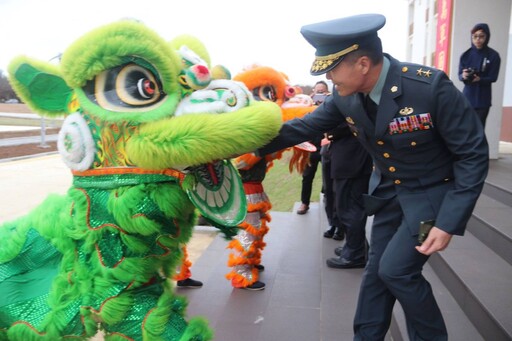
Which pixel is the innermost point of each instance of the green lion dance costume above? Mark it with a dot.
(145, 125)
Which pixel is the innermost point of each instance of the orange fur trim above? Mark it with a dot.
(234, 260)
(239, 281)
(273, 156)
(293, 112)
(299, 160)
(246, 161)
(236, 245)
(184, 272)
(255, 231)
(251, 256)
(262, 206)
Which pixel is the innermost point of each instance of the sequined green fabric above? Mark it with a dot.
(119, 180)
(100, 262)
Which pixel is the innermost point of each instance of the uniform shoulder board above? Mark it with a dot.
(418, 72)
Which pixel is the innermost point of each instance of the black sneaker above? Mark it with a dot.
(255, 286)
(189, 283)
(260, 267)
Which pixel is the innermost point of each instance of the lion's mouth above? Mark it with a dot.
(218, 192)
(210, 174)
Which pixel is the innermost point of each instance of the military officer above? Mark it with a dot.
(430, 161)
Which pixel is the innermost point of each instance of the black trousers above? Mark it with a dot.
(482, 114)
(329, 198)
(351, 215)
(308, 176)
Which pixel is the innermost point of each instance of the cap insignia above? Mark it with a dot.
(323, 62)
(319, 65)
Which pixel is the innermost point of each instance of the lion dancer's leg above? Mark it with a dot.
(149, 313)
(183, 275)
(245, 260)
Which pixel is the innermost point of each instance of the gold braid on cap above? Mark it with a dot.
(323, 62)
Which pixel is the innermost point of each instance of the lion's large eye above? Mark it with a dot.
(264, 93)
(125, 87)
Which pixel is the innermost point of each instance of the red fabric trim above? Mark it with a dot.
(253, 187)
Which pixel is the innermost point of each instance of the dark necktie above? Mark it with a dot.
(370, 107)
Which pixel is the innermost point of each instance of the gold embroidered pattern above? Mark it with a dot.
(323, 62)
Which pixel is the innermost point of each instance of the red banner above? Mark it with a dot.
(444, 28)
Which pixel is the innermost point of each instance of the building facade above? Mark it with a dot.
(439, 32)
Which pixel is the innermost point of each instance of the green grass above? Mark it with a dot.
(283, 188)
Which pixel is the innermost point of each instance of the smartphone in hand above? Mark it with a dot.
(425, 227)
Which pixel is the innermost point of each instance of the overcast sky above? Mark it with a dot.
(236, 32)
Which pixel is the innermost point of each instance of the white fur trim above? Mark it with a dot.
(220, 96)
(76, 144)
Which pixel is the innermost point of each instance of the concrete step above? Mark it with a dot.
(499, 180)
(497, 192)
(480, 281)
(491, 223)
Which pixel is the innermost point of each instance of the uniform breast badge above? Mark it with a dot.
(406, 111)
(410, 123)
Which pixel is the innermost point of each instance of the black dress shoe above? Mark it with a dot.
(338, 250)
(330, 232)
(343, 263)
(339, 234)
(189, 283)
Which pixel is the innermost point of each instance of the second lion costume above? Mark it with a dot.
(266, 85)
